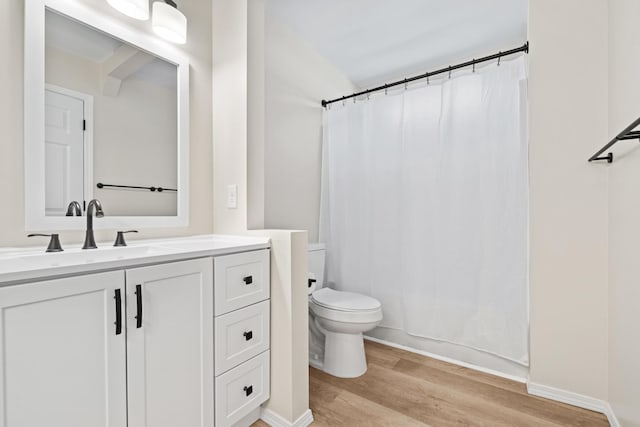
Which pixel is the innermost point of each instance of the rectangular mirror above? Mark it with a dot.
(107, 119)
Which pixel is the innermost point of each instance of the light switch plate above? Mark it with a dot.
(232, 196)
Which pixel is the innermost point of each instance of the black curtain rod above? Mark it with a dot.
(158, 189)
(524, 48)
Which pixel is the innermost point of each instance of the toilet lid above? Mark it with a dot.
(347, 301)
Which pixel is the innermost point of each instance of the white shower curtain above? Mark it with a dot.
(425, 207)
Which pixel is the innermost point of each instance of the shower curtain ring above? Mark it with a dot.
(449, 71)
(405, 84)
(386, 91)
(428, 80)
(499, 58)
(474, 65)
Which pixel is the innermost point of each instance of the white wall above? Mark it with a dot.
(568, 122)
(297, 78)
(624, 214)
(198, 50)
(230, 92)
(134, 139)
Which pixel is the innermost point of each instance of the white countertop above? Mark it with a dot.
(19, 265)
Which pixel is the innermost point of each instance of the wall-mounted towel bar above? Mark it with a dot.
(627, 133)
(135, 187)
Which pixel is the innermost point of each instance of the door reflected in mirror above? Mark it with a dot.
(111, 118)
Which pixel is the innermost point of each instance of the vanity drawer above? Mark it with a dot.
(241, 390)
(240, 280)
(241, 335)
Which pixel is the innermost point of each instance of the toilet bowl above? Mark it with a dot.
(337, 321)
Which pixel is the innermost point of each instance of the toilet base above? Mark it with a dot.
(344, 355)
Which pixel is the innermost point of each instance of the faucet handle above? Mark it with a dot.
(120, 237)
(74, 209)
(54, 243)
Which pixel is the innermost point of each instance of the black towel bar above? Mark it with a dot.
(627, 133)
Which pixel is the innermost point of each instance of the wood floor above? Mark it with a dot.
(406, 389)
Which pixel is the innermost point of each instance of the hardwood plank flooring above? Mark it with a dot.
(406, 389)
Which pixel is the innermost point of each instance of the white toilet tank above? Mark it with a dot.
(316, 262)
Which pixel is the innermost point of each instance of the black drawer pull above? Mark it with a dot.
(118, 298)
(139, 306)
(247, 280)
(248, 335)
(248, 390)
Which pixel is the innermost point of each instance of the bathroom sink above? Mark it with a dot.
(39, 260)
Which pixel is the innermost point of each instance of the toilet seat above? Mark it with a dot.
(344, 301)
(347, 307)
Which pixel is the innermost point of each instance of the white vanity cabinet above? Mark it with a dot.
(62, 360)
(242, 311)
(139, 346)
(170, 344)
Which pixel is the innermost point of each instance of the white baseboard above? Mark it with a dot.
(448, 360)
(275, 420)
(611, 416)
(574, 399)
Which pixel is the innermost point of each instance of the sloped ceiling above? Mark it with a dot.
(373, 41)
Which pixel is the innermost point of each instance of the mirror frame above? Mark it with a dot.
(34, 114)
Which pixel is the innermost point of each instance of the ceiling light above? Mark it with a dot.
(168, 22)
(137, 9)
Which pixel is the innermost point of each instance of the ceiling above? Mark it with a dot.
(89, 43)
(373, 41)
(78, 39)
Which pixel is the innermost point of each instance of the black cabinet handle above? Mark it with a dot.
(118, 298)
(248, 335)
(139, 306)
(248, 390)
(247, 280)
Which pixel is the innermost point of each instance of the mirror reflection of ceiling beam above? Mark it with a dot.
(124, 62)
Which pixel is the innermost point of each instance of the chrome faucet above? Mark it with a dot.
(89, 240)
(74, 209)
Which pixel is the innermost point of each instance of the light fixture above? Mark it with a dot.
(168, 22)
(137, 9)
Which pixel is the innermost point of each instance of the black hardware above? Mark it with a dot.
(118, 298)
(120, 237)
(248, 390)
(608, 158)
(84, 125)
(152, 189)
(247, 280)
(74, 209)
(311, 282)
(627, 133)
(54, 243)
(139, 306)
(89, 238)
(524, 48)
(248, 335)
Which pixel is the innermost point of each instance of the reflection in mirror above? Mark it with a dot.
(110, 118)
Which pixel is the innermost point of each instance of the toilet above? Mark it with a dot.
(337, 321)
